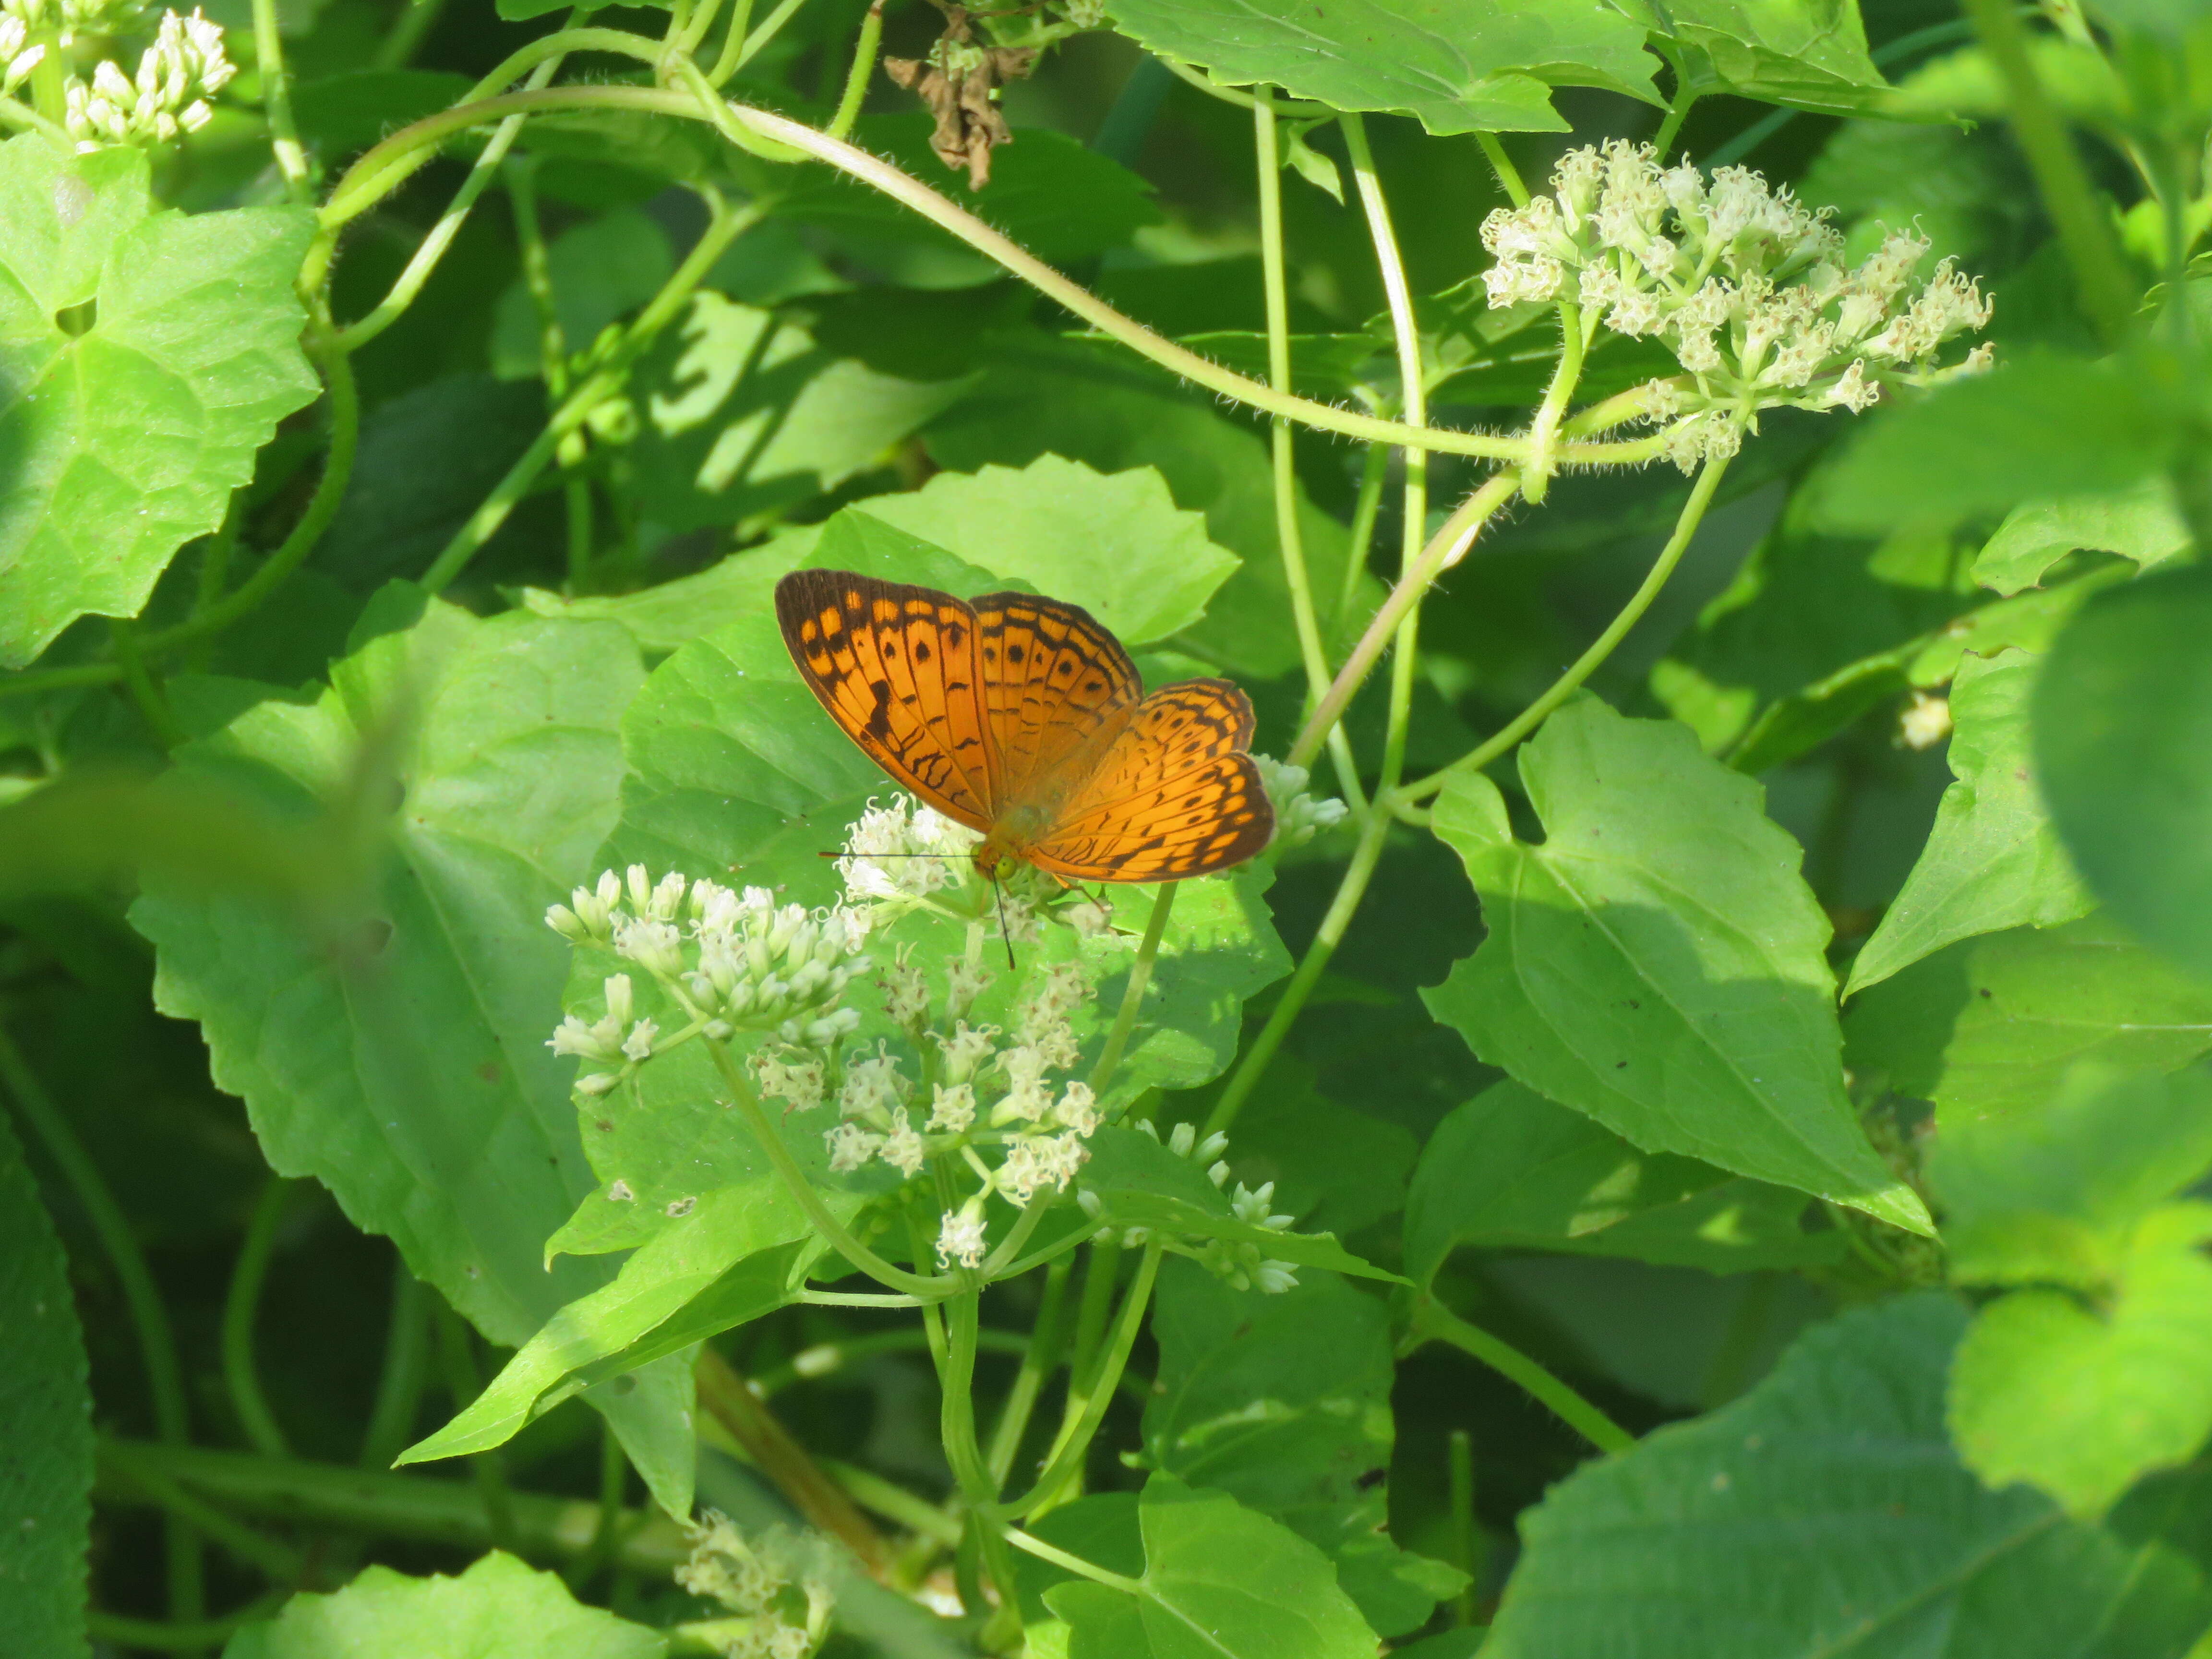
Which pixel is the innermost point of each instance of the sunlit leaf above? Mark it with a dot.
(1219, 1580)
(1657, 962)
(497, 1609)
(1476, 66)
(1675, 1550)
(148, 356)
(1992, 861)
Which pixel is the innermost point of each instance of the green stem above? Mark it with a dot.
(242, 1543)
(863, 71)
(1374, 473)
(745, 46)
(1099, 1275)
(1132, 995)
(893, 1502)
(2084, 228)
(277, 100)
(149, 1320)
(484, 524)
(1350, 891)
(117, 1631)
(405, 1371)
(1075, 1564)
(956, 1429)
(416, 19)
(216, 557)
(1412, 392)
(152, 707)
(367, 181)
(17, 113)
(1466, 1535)
(828, 1358)
(1294, 107)
(456, 1353)
(1432, 1322)
(614, 1477)
(240, 1374)
(1289, 539)
(733, 43)
(1508, 176)
(1662, 142)
(1040, 1358)
(1544, 430)
(1088, 1400)
(425, 259)
(425, 1508)
(794, 1179)
(1686, 527)
(1452, 539)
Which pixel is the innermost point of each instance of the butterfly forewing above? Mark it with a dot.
(1175, 795)
(896, 667)
(1056, 686)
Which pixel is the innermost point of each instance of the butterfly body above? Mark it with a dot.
(1023, 718)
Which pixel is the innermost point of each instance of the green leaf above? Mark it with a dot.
(1284, 1403)
(1141, 1184)
(2122, 721)
(742, 414)
(1220, 1582)
(2141, 522)
(1657, 962)
(1117, 544)
(1481, 66)
(601, 270)
(672, 614)
(1992, 861)
(1512, 1170)
(502, 735)
(1988, 1027)
(497, 1609)
(426, 462)
(2036, 429)
(1808, 53)
(148, 356)
(2081, 1401)
(2053, 1193)
(1065, 398)
(1057, 197)
(693, 1255)
(45, 1472)
(1337, 1168)
(1825, 1513)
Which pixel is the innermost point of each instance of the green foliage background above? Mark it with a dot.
(1738, 1095)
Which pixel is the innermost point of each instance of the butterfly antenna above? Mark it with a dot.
(1005, 933)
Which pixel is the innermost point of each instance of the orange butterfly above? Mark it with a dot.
(1021, 717)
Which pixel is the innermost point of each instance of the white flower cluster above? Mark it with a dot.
(905, 857)
(1744, 283)
(754, 1581)
(1239, 1265)
(897, 856)
(731, 961)
(68, 20)
(168, 97)
(975, 1094)
(1299, 816)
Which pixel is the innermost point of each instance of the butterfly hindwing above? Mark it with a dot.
(1175, 795)
(896, 667)
(1056, 685)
